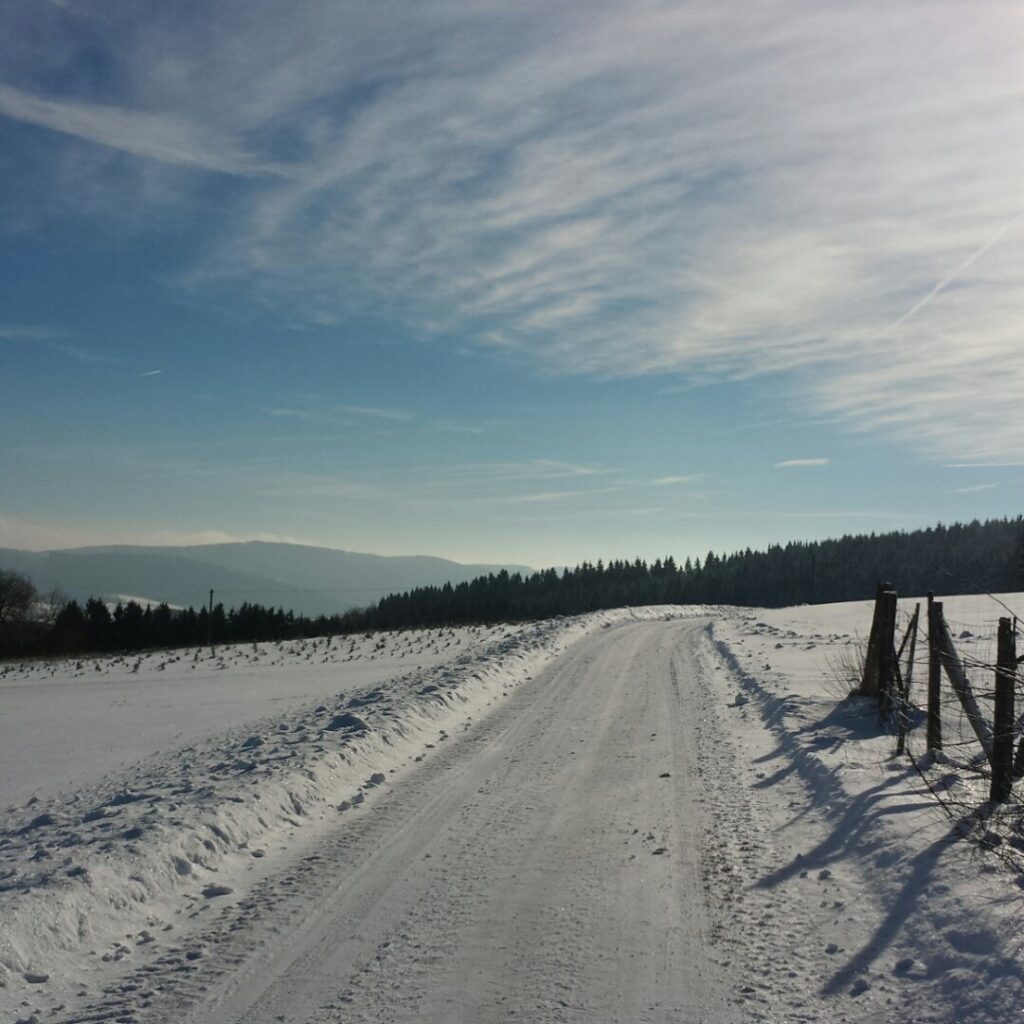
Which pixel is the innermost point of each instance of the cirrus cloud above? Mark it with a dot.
(822, 190)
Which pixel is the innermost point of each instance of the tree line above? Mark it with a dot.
(53, 625)
(959, 558)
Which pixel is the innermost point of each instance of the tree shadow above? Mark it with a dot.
(776, 777)
(906, 901)
(856, 719)
(845, 835)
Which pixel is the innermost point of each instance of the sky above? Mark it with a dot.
(528, 283)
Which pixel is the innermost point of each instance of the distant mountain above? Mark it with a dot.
(308, 580)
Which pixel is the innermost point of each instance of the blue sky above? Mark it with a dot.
(529, 282)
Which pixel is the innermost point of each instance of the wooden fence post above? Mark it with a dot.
(1003, 721)
(887, 667)
(871, 682)
(934, 720)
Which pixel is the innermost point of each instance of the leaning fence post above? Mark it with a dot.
(957, 676)
(915, 623)
(934, 721)
(1002, 725)
(906, 680)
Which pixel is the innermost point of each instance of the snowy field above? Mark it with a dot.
(67, 724)
(658, 814)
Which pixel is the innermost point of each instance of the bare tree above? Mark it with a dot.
(18, 596)
(17, 607)
(49, 605)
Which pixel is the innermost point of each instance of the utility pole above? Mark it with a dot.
(209, 624)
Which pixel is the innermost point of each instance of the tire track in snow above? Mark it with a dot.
(542, 866)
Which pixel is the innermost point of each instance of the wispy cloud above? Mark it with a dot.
(551, 467)
(666, 481)
(170, 138)
(984, 465)
(799, 463)
(151, 373)
(975, 489)
(27, 332)
(53, 339)
(395, 415)
(542, 497)
(587, 496)
(459, 427)
(82, 355)
(314, 410)
(286, 413)
(532, 469)
(314, 486)
(826, 190)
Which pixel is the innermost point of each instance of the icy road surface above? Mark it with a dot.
(544, 867)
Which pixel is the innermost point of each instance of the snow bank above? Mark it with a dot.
(68, 722)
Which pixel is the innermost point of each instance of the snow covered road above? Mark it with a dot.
(543, 867)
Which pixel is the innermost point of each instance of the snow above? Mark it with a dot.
(69, 723)
(652, 814)
(905, 908)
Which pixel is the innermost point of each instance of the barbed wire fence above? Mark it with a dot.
(952, 697)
